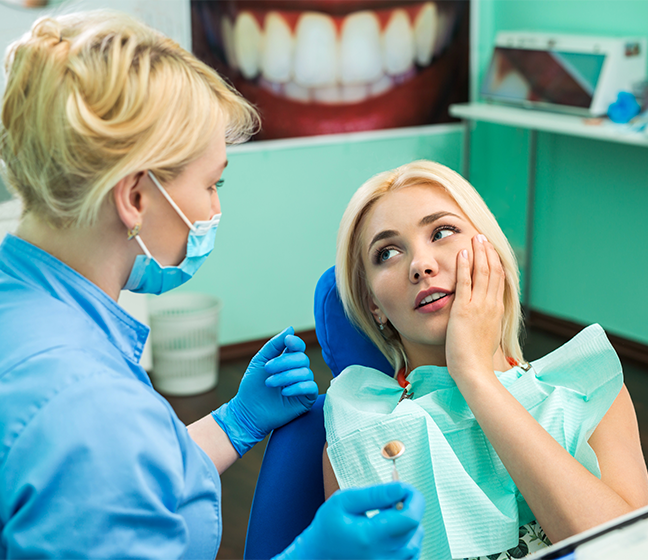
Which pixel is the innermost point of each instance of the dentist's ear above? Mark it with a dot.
(130, 198)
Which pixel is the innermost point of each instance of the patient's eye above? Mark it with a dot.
(444, 231)
(385, 254)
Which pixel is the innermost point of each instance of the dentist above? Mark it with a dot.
(114, 138)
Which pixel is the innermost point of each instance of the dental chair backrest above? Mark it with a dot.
(342, 344)
(290, 489)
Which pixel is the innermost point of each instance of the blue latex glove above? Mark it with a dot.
(341, 528)
(277, 387)
(624, 109)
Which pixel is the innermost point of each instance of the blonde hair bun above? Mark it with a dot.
(92, 97)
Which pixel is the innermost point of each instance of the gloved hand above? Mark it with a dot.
(342, 530)
(277, 387)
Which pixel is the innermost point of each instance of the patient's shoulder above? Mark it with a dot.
(358, 378)
(584, 363)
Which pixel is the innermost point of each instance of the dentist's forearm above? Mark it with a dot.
(214, 441)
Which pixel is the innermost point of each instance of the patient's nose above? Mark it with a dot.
(421, 267)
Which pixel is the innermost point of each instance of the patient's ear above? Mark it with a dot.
(378, 315)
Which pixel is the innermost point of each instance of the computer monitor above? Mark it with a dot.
(567, 73)
(543, 78)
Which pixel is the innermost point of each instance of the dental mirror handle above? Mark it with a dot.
(399, 505)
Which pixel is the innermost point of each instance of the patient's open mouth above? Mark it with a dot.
(432, 298)
(316, 66)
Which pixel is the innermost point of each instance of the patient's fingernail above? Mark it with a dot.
(464, 254)
(481, 238)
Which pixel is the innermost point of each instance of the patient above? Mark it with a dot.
(510, 455)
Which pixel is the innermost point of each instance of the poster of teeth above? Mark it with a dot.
(317, 67)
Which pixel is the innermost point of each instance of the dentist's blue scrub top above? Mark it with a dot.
(93, 462)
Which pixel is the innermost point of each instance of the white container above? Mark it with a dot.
(184, 337)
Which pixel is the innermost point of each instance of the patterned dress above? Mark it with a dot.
(532, 539)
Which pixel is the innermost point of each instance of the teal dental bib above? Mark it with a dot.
(473, 508)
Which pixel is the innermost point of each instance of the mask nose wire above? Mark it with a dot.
(171, 201)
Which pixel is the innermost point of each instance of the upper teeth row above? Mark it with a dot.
(432, 297)
(317, 56)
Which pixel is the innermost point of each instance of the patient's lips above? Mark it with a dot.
(296, 57)
(432, 299)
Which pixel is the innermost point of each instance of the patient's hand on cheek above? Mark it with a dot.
(475, 324)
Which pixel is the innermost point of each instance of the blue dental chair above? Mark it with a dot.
(290, 489)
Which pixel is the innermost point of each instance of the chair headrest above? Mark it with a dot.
(342, 344)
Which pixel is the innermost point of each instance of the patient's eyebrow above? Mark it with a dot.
(436, 216)
(382, 235)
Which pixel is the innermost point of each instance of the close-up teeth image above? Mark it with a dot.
(329, 66)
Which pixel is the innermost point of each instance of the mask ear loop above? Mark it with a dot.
(171, 201)
(141, 244)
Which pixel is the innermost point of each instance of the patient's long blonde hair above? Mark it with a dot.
(349, 269)
(93, 97)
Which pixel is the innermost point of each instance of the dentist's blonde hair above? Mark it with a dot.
(93, 97)
(351, 277)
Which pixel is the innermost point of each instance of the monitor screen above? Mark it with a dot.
(541, 76)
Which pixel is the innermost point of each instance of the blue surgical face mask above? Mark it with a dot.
(148, 276)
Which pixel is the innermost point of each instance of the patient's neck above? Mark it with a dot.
(424, 355)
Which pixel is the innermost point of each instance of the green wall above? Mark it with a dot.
(590, 256)
(282, 203)
(590, 250)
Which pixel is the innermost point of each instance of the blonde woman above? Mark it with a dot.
(509, 455)
(114, 138)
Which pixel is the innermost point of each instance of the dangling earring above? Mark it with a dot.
(381, 326)
(135, 231)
